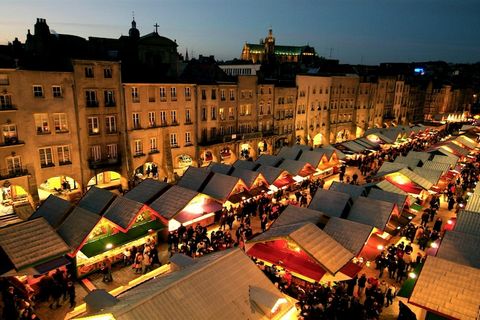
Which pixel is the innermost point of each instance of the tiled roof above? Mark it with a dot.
(247, 176)
(54, 210)
(173, 201)
(96, 200)
(269, 160)
(339, 153)
(423, 156)
(353, 190)
(325, 151)
(371, 144)
(391, 167)
(122, 211)
(220, 186)
(350, 234)
(147, 191)
(431, 175)
(372, 212)
(448, 289)
(294, 214)
(318, 244)
(270, 173)
(332, 203)
(432, 165)
(31, 242)
(301, 147)
(456, 148)
(473, 203)
(78, 225)
(194, 178)
(460, 248)
(216, 286)
(278, 232)
(451, 160)
(243, 164)
(392, 197)
(220, 168)
(468, 222)
(289, 153)
(467, 141)
(311, 157)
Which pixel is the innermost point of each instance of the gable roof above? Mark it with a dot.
(294, 215)
(448, 289)
(147, 191)
(247, 176)
(457, 150)
(431, 175)
(292, 166)
(332, 203)
(451, 160)
(122, 211)
(311, 157)
(460, 248)
(410, 162)
(468, 222)
(392, 197)
(470, 143)
(389, 187)
(96, 200)
(269, 160)
(353, 190)
(244, 164)
(473, 203)
(423, 156)
(270, 173)
(391, 167)
(340, 154)
(326, 151)
(54, 210)
(220, 168)
(370, 211)
(194, 178)
(78, 225)
(224, 278)
(421, 181)
(289, 153)
(350, 234)
(173, 201)
(220, 186)
(31, 242)
(432, 165)
(353, 146)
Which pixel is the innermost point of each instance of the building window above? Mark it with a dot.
(107, 72)
(57, 91)
(64, 155)
(91, 98)
(46, 159)
(111, 124)
(204, 94)
(221, 113)
(163, 118)
(109, 96)
(138, 147)
(173, 140)
(230, 113)
(95, 153)
(232, 95)
(5, 101)
(214, 113)
(60, 122)
(41, 123)
(14, 164)
(245, 109)
(163, 94)
(9, 132)
(152, 122)
(93, 126)
(213, 133)
(188, 93)
(89, 72)
(188, 119)
(204, 114)
(153, 145)
(173, 116)
(214, 94)
(38, 91)
(173, 93)
(135, 95)
(136, 120)
(222, 94)
(112, 151)
(188, 139)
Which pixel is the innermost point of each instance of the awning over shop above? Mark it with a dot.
(353, 190)
(374, 247)
(293, 214)
(238, 197)
(350, 234)
(283, 181)
(269, 160)
(258, 190)
(375, 213)
(404, 183)
(244, 164)
(290, 153)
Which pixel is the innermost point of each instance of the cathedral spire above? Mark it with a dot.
(186, 54)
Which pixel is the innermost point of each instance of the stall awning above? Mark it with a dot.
(238, 197)
(284, 181)
(51, 265)
(258, 190)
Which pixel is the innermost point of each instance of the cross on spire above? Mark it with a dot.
(156, 27)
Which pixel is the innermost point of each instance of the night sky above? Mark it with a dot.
(354, 31)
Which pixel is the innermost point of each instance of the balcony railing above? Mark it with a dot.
(13, 173)
(8, 107)
(110, 104)
(104, 163)
(11, 141)
(92, 104)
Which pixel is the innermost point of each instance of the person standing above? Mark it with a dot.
(361, 285)
(71, 292)
(263, 222)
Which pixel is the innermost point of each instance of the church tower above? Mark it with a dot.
(133, 32)
(270, 46)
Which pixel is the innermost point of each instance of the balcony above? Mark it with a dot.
(11, 142)
(110, 104)
(104, 163)
(174, 123)
(187, 122)
(13, 173)
(138, 155)
(47, 165)
(92, 104)
(8, 107)
(154, 151)
(64, 163)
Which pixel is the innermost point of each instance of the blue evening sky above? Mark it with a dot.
(354, 31)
